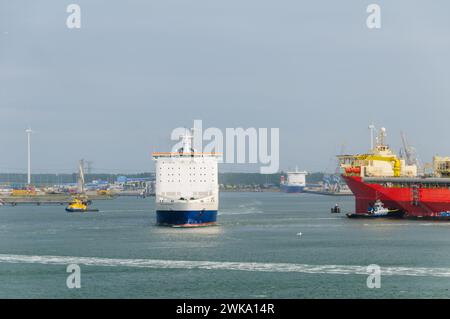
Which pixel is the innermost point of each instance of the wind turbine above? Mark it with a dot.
(29, 131)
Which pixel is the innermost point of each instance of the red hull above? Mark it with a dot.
(431, 203)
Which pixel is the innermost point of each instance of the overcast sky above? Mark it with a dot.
(112, 91)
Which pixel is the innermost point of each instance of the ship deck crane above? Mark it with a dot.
(409, 153)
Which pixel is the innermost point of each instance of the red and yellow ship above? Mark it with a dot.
(381, 175)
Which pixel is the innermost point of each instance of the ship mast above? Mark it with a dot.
(187, 143)
(380, 141)
(381, 136)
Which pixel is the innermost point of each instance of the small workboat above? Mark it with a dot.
(336, 209)
(379, 211)
(78, 205)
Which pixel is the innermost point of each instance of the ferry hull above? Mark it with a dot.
(426, 203)
(291, 188)
(191, 218)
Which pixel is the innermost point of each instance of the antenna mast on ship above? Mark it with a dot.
(187, 142)
(381, 136)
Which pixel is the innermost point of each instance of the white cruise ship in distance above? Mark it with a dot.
(295, 182)
(187, 188)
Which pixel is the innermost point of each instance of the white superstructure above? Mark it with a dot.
(296, 178)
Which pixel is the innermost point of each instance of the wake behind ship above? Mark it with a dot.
(186, 189)
(381, 176)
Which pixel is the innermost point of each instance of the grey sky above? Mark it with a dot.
(112, 91)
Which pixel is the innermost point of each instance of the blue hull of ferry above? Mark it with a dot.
(193, 218)
(291, 188)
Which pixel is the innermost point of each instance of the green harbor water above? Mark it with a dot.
(267, 245)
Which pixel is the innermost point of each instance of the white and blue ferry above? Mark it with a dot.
(295, 182)
(186, 188)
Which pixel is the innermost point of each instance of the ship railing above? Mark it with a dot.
(190, 154)
(424, 182)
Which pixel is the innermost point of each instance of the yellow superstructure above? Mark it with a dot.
(393, 160)
(380, 162)
(77, 205)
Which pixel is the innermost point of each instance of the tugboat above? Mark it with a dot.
(378, 210)
(79, 205)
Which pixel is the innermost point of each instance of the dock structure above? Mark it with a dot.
(45, 199)
(328, 193)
